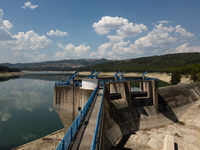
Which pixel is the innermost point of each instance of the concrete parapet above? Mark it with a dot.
(168, 142)
(67, 99)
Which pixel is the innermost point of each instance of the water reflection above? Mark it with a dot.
(26, 111)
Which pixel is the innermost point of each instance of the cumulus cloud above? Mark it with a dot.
(183, 32)
(102, 50)
(71, 51)
(184, 48)
(41, 57)
(28, 5)
(29, 40)
(158, 40)
(158, 36)
(5, 27)
(57, 33)
(107, 23)
(124, 28)
(129, 30)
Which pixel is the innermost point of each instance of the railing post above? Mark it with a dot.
(76, 123)
(71, 133)
(63, 144)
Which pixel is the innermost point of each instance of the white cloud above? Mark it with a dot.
(182, 48)
(28, 4)
(162, 21)
(102, 50)
(124, 28)
(107, 23)
(5, 27)
(41, 57)
(183, 32)
(158, 36)
(129, 30)
(185, 49)
(57, 33)
(71, 51)
(28, 40)
(158, 40)
(119, 47)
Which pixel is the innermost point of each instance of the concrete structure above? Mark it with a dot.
(127, 111)
(173, 102)
(67, 99)
(168, 142)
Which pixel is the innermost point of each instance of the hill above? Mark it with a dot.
(184, 62)
(7, 69)
(62, 65)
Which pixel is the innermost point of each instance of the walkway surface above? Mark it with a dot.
(85, 135)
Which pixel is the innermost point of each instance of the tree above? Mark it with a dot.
(176, 78)
(193, 76)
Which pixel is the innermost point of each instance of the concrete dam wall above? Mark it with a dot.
(173, 102)
(67, 99)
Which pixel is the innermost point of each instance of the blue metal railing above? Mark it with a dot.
(68, 80)
(67, 139)
(144, 74)
(90, 76)
(120, 77)
(96, 75)
(116, 74)
(100, 117)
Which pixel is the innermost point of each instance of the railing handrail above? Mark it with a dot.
(100, 115)
(90, 76)
(67, 139)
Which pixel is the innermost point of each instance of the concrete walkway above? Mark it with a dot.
(85, 135)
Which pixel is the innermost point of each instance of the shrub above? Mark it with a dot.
(175, 78)
(193, 76)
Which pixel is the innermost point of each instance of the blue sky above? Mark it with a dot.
(45, 30)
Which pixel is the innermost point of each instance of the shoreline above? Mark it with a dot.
(161, 76)
(9, 74)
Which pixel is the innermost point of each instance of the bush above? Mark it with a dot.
(175, 78)
(193, 76)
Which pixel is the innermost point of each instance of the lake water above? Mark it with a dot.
(26, 109)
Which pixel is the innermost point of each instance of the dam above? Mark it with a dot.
(115, 110)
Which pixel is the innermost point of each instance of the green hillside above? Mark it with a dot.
(184, 62)
(7, 69)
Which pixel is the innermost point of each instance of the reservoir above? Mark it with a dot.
(26, 108)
